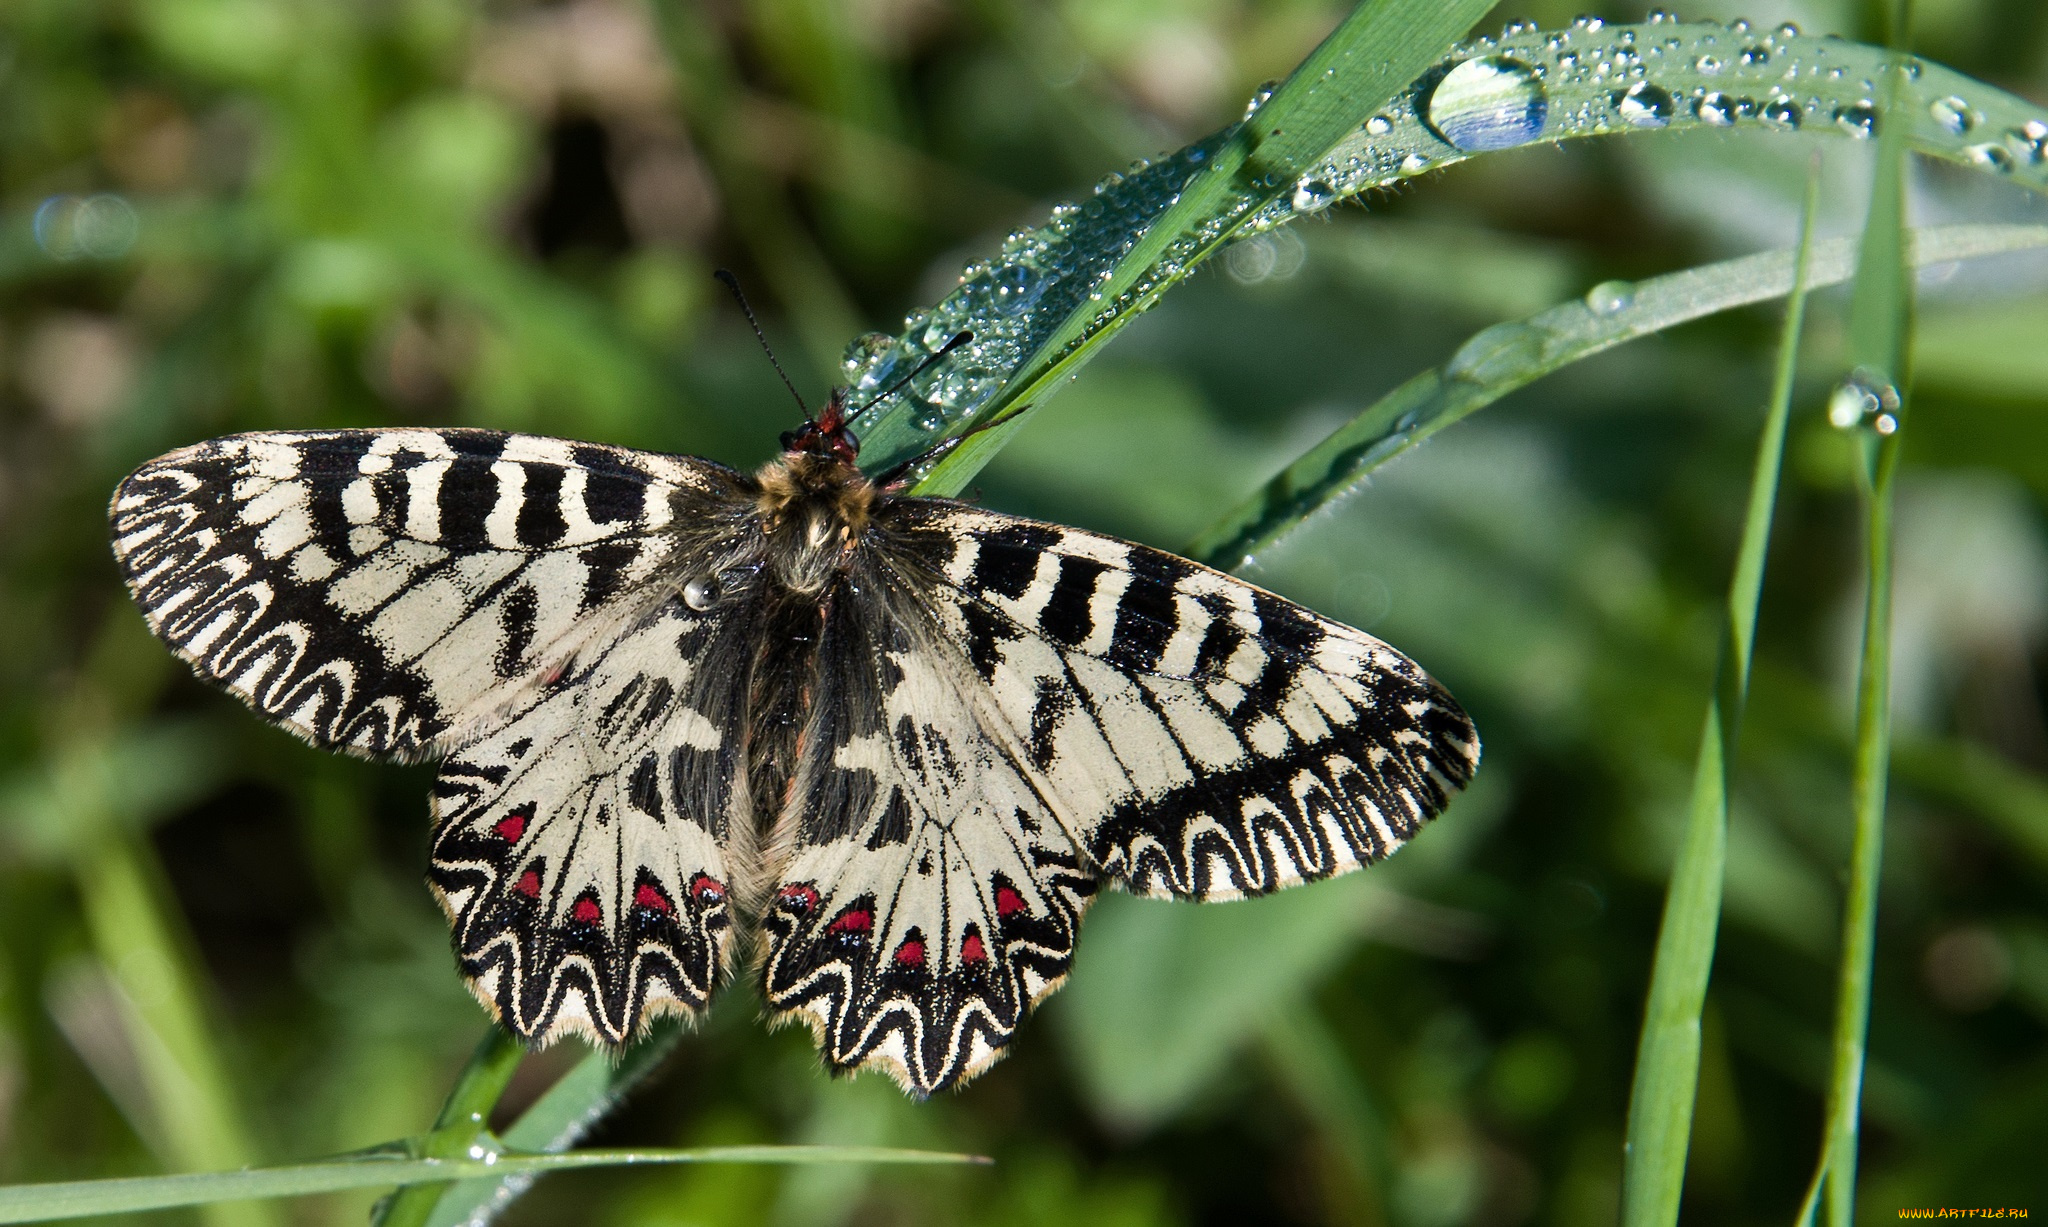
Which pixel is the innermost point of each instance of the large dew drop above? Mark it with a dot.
(1492, 102)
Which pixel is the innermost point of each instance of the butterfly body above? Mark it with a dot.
(886, 748)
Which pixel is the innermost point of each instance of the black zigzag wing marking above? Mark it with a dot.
(583, 850)
(926, 896)
(1204, 738)
(380, 590)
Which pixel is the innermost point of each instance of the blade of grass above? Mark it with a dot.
(1879, 319)
(1046, 302)
(1380, 47)
(1500, 359)
(1668, 1058)
(562, 1115)
(464, 1118)
(30, 1203)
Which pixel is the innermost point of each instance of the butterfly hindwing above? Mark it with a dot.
(927, 896)
(582, 850)
(380, 591)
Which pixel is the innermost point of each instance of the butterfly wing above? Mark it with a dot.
(386, 591)
(1200, 737)
(582, 850)
(1015, 711)
(514, 600)
(927, 895)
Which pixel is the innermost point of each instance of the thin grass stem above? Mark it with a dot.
(1668, 1058)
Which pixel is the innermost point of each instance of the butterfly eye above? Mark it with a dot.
(702, 593)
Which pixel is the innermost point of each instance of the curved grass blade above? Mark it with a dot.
(464, 1118)
(33, 1203)
(1879, 323)
(1668, 1058)
(1508, 356)
(1051, 296)
(558, 1120)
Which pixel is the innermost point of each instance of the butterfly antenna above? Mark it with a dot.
(959, 338)
(733, 283)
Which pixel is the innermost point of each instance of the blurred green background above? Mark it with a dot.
(215, 944)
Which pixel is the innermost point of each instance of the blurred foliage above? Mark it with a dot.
(214, 944)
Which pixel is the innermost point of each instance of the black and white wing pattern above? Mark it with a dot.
(382, 591)
(1205, 738)
(517, 600)
(1020, 712)
(583, 849)
(927, 893)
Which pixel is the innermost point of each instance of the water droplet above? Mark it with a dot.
(1107, 182)
(1378, 125)
(1864, 399)
(1646, 106)
(1259, 96)
(863, 352)
(1589, 24)
(1858, 119)
(1953, 114)
(1414, 164)
(1788, 30)
(1740, 25)
(1609, 297)
(1991, 157)
(1708, 64)
(1717, 109)
(1658, 17)
(1313, 194)
(1753, 57)
(1493, 102)
(2028, 142)
(1781, 113)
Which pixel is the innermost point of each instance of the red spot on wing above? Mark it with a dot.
(585, 911)
(512, 825)
(911, 953)
(798, 898)
(859, 920)
(1008, 902)
(528, 884)
(709, 890)
(971, 949)
(645, 895)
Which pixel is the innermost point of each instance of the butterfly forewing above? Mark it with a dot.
(378, 591)
(1204, 738)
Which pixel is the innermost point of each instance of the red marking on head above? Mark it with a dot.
(971, 949)
(528, 884)
(798, 898)
(646, 895)
(709, 890)
(1008, 902)
(859, 920)
(511, 827)
(911, 953)
(585, 911)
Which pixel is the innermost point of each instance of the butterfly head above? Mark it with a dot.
(827, 435)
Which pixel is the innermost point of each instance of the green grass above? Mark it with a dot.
(1668, 1056)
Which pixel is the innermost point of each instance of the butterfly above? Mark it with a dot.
(883, 749)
